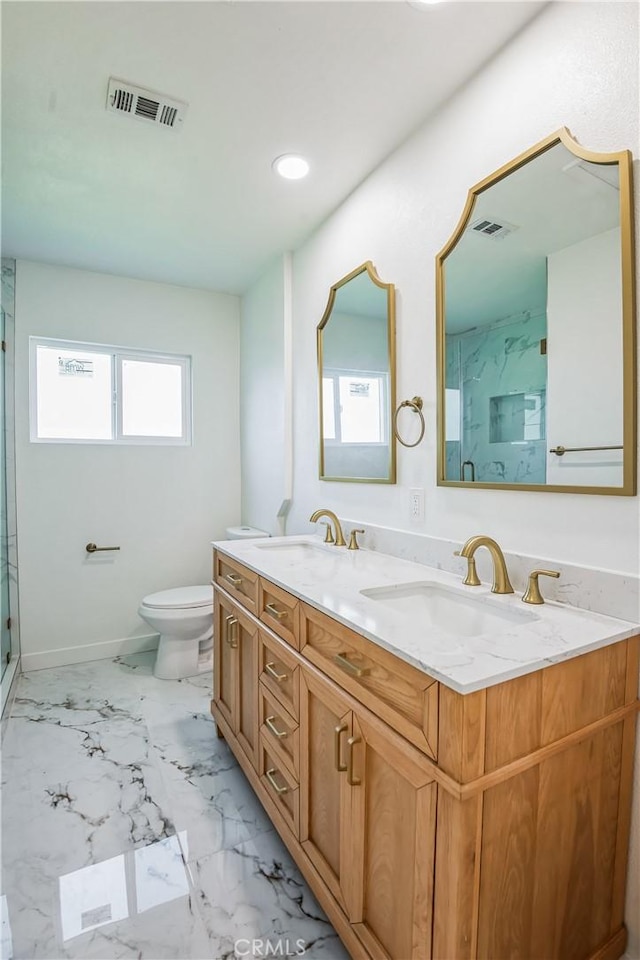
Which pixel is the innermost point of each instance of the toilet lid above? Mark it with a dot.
(181, 598)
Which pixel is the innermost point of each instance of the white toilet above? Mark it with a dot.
(183, 617)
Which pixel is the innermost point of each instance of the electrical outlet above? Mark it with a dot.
(416, 504)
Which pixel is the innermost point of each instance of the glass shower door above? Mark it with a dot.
(5, 633)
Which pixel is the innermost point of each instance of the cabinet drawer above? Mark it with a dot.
(281, 787)
(279, 672)
(404, 697)
(279, 610)
(279, 731)
(240, 582)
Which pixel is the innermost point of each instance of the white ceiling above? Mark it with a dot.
(341, 82)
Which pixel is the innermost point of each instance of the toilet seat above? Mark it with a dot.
(180, 598)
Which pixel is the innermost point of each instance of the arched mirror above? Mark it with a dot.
(535, 327)
(356, 372)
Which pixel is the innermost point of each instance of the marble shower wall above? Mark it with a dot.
(502, 377)
(11, 570)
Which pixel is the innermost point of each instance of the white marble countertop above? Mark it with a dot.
(331, 579)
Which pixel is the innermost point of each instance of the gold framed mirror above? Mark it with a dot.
(535, 300)
(357, 379)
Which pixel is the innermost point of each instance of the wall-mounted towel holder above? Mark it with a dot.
(415, 404)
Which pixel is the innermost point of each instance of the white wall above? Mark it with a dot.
(576, 65)
(162, 505)
(584, 361)
(262, 403)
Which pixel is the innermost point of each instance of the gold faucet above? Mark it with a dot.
(353, 540)
(501, 582)
(339, 536)
(532, 593)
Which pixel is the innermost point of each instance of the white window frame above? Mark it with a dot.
(334, 374)
(118, 354)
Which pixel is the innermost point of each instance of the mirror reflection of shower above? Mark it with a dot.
(533, 324)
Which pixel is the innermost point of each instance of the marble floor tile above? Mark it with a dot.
(130, 831)
(211, 799)
(254, 892)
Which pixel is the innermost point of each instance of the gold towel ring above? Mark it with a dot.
(416, 405)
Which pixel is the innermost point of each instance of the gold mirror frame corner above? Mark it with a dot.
(624, 159)
(368, 268)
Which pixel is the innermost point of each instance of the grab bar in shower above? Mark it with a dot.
(560, 450)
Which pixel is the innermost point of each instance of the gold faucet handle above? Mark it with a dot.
(328, 538)
(472, 579)
(532, 594)
(353, 540)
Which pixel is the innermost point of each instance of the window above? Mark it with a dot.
(93, 393)
(354, 407)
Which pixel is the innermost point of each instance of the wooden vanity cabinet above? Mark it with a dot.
(238, 581)
(367, 820)
(235, 687)
(279, 611)
(406, 698)
(490, 826)
(279, 730)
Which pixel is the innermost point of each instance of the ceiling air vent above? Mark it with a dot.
(145, 104)
(496, 230)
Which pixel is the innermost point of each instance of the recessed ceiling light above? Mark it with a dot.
(423, 4)
(291, 166)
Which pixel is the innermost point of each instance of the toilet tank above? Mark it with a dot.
(245, 533)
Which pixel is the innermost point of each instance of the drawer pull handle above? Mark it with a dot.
(274, 612)
(269, 774)
(231, 637)
(269, 721)
(231, 577)
(340, 766)
(351, 780)
(271, 670)
(345, 664)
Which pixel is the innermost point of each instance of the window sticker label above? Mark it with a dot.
(73, 367)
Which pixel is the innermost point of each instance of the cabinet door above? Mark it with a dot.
(246, 654)
(393, 836)
(235, 668)
(325, 796)
(224, 680)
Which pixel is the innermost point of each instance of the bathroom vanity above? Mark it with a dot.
(448, 795)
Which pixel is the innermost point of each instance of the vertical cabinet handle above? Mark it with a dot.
(231, 639)
(340, 766)
(351, 780)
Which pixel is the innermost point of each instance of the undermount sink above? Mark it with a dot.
(299, 547)
(443, 608)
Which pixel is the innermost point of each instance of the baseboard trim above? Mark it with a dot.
(106, 650)
(9, 685)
